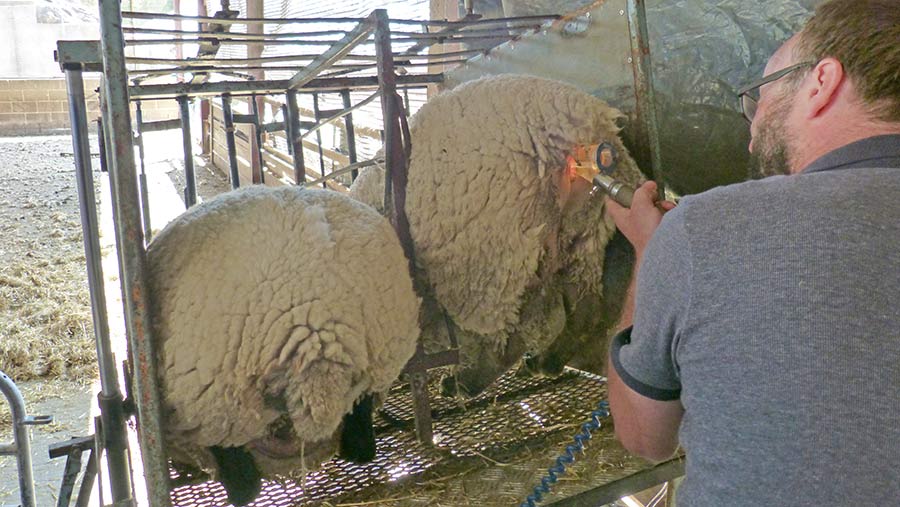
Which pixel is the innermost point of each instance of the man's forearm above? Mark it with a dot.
(654, 438)
(627, 317)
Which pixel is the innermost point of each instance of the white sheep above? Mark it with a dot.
(507, 238)
(275, 310)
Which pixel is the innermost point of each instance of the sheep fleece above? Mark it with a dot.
(492, 151)
(298, 295)
(511, 248)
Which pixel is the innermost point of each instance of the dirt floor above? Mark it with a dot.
(46, 337)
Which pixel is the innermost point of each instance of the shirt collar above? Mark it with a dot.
(877, 151)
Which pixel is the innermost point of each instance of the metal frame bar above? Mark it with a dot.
(145, 199)
(110, 398)
(228, 116)
(132, 267)
(159, 125)
(350, 130)
(343, 113)
(239, 35)
(272, 87)
(292, 122)
(203, 36)
(149, 73)
(73, 450)
(346, 169)
(634, 483)
(257, 132)
(317, 115)
(448, 30)
(647, 127)
(395, 177)
(21, 445)
(285, 21)
(137, 60)
(190, 179)
(337, 51)
(87, 483)
(434, 38)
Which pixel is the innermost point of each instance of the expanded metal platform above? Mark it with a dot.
(489, 451)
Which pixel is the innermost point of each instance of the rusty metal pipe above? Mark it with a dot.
(132, 266)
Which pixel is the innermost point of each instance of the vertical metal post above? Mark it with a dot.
(104, 146)
(132, 260)
(110, 397)
(145, 200)
(256, 9)
(351, 133)
(287, 128)
(645, 102)
(257, 122)
(292, 124)
(406, 101)
(190, 178)
(206, 141)
(229, 139)
(387, 84)
(315, 97)
(70, 475)
(21, 445)
(395, 177)
(87, 482)
(109, 382)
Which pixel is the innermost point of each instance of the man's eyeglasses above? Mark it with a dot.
(749, 102)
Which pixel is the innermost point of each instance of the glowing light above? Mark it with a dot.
(530, 413)
(398, 471)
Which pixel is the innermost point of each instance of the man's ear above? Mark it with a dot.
(822, 89)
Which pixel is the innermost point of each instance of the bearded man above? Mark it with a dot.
(766, 325)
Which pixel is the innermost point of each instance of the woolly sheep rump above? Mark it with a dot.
(272, 301)
(491, 213)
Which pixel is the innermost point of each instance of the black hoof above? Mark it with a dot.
(358, 433)
(449, 387)
(238, 474)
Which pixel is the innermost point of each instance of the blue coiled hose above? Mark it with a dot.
(568, 458)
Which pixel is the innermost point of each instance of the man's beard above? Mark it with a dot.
(772, 148)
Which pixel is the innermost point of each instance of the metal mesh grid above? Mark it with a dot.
(518, 414)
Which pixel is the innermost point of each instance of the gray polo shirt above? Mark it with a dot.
(771, 308)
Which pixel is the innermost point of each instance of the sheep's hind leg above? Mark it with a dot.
(238, 474)
(358, 432)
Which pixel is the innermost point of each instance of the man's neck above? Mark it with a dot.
(835, 136)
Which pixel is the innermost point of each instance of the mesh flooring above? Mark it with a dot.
(518, 417)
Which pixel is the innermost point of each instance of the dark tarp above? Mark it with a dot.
(702, 51)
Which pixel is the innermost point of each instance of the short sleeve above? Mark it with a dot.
(644, 355)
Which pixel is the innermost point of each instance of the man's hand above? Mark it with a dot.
(640, 221)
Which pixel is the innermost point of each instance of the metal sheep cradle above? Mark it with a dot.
(604, 48)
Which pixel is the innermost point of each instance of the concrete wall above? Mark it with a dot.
(40, 106)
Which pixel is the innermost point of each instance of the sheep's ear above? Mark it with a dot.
(358, 432)
(238, 474)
